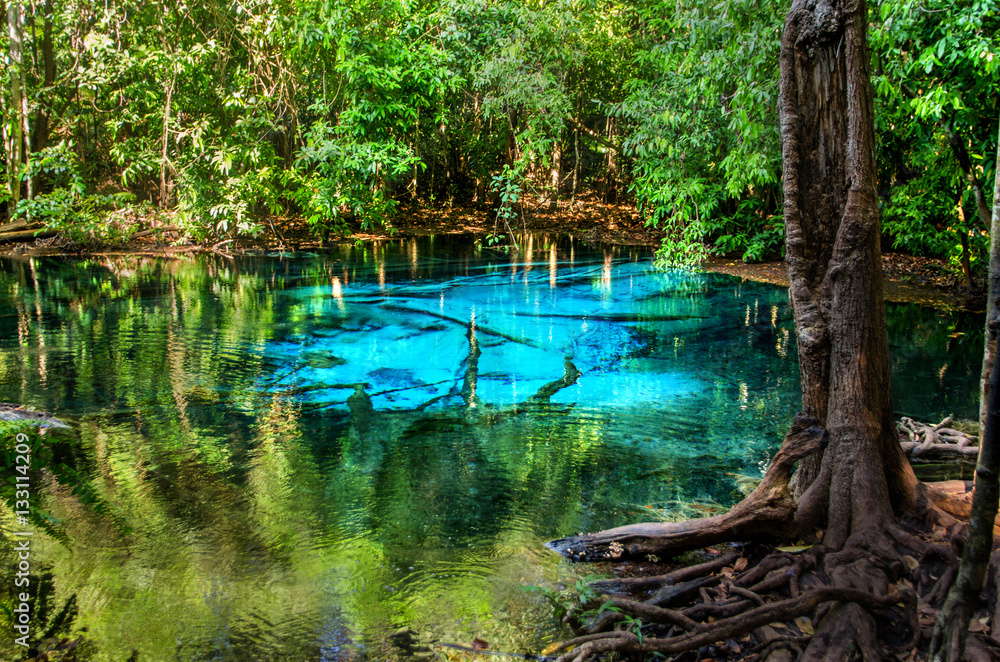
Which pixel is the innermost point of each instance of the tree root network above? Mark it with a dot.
(760, 603)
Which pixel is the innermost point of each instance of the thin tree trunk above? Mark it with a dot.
(576, 167)
(16, 155)
(992, 291)
(952, 625)
(961, 153)
(165, 143)
(555, 174)
(41, 140)
(477, 130)
(25, 124)
(41, 135)
(611, 176)
(963, 239)
(416, 145)
(6, 122)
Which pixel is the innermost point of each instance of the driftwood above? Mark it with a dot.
(926, 441)
(26, 235)
(165, 228)
(13, 225)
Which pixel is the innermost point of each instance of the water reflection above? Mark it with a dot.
(293, 456)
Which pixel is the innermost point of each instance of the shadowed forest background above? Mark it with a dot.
(218, 119)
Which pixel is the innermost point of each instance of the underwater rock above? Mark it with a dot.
(321, 360)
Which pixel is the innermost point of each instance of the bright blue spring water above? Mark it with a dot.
(224, 499)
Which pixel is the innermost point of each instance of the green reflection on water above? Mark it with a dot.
(244, 511)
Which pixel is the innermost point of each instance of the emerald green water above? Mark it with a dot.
(224, 502)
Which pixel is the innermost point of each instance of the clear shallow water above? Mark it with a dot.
(224, 501)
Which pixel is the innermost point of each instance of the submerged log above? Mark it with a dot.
(570, 375)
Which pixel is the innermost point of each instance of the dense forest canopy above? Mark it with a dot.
(215, 117)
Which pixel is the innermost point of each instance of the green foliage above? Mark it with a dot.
(68, 207)
(509, 191)
(336, 178)
(336, 110)
(935, 63)
(752, 232)
(572, 601)
(704, 135)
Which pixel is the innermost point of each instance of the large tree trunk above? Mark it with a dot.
(863, 480)
(834, 264)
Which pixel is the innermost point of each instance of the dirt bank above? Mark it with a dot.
(907, 278)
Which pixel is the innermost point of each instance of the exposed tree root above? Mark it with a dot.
(935, 439)
(765, 515)
(858, 603)
(872, 597)
(693, 635)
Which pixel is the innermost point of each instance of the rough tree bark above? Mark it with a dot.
(992, 290)
(834, 263)
(950, 631)
(851, 495)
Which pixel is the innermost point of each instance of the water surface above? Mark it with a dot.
(291, 456)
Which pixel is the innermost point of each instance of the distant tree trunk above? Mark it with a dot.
(18, 132)
(165, 143)
(992, 291)
(963, 239)
(41, 139)
(555, 174)
(576, 167)
(511, 155)
(611, 176)
(41, 135)
(961, 153)
(480, 176)
(834, 265)
(948, 641)
(416, 152)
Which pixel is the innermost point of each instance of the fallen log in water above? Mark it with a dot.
(26, 235)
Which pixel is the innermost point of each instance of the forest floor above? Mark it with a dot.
(907, 278)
